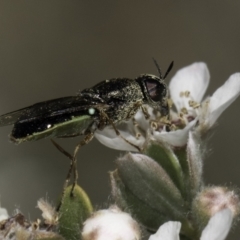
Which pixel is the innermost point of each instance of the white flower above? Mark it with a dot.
(3, 214)
(110, 224)
(187, 89)
(213, 107)
(216, 229)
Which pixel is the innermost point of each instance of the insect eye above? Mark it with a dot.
(156, 90)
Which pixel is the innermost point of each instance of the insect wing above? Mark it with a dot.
(62, 117)
(10, 118)
(36, 110)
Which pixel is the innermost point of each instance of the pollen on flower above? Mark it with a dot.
(153, 125)
(193, 104)
(138, 135)
(173, 127)
(183, 111)
(185, 94)
(160, 124)
(181, 121)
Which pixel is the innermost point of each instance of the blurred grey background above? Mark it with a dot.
(51, 49)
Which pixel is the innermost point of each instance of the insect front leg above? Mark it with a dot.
(145, 112)
(137, 129)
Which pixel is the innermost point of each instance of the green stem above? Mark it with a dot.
(189, 231)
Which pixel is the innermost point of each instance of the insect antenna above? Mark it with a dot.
(169, 69)
(159, 69)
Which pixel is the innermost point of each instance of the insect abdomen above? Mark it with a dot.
(58, 126)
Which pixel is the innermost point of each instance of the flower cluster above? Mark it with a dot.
(164, 182)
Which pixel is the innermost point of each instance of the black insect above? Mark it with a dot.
(107, 103)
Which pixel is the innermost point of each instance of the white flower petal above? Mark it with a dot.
(109, 138)
(193, 78)
(222, 98)
(127, 130)
(141, 120)
(218, 226)
(168, 231)
(176, 138)
(3, 214)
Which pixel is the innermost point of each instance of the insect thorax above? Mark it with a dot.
(122, 96)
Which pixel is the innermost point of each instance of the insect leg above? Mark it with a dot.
(85, 141)
(69, 171)
(73, 164)
(145, 112)
(136, 128)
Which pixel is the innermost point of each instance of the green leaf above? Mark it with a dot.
(75, 209)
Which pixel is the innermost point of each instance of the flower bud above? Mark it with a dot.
(212, 200)
(143, 187)
(111, 224)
